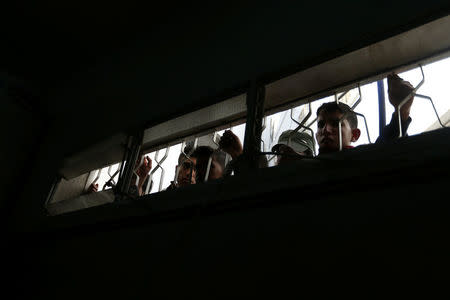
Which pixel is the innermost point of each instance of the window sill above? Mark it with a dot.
(392, 163)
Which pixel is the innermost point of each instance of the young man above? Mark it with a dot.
(216, 167)
(329, 114)
(186, 171)
(327, 135)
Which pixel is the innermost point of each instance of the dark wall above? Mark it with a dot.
(24, 127)
(374, 232)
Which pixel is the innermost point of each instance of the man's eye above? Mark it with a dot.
(320, 124)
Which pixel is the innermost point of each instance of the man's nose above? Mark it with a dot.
(327, 128)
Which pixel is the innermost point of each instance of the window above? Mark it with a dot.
(422, 112)
(165, 161)
(288, 102)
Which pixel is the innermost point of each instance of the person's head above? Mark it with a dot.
(186, 168)
(202, 155)
(293, 145)
(327, 135)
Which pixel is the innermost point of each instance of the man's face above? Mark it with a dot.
(215, 170)
(186, 174)
(328, 132)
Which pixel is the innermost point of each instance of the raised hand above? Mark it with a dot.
(93, 188)
(231, 144)
(398, 89)
(144, 168)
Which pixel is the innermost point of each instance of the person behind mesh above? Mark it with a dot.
(329, 114)
(296, 145)
(292, 145)
(327, 135)
(203, 154)
(186, 169)
(141, 173)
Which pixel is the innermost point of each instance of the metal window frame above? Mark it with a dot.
(422, 45)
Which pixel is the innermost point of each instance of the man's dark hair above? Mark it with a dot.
(206, 151)
(349, 114)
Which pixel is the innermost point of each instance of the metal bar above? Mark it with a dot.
(187, 155)
(137, 168)
(275, 154)
(315, 119)
(97, 177)
(177, 169)
(161, 179)
(111, 176)
(359, 98)
(125, 154)
(263, 127)
(158, 166)
(312, 122)
(213, 138)
(207, 169)
(263, 145)
(270, 159)
(87, 182)
(381, 105)
(434, 108)
(111, 181)
(365, 122)
(340, 128)
(228, 156)
(162, 169)
(343, 94)
(400, 134)
(272, 130)
(255, 114)
(305, 118)
(109, 170)
(300, 125)
(305, 128)
(119, 168)
(189, 158)
(147, 190)
(124, 182)
(358, 114)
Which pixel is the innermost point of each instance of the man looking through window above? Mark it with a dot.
(186, 170)
(205, 156)
(329, 114)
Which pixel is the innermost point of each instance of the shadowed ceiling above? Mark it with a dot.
(129, 64)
